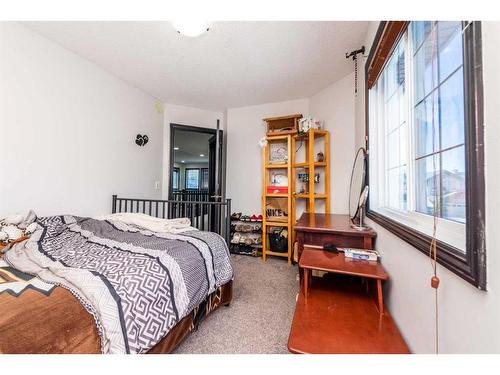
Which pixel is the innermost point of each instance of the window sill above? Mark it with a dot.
(447, 256)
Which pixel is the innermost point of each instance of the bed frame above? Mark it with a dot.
(209, 216)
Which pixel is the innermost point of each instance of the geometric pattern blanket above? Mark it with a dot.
(137, 284)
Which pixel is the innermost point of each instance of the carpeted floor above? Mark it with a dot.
(259, 318)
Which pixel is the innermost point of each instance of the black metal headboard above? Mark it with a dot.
(209, 216)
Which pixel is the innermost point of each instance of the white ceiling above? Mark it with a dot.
(234, 64)
(191, 146)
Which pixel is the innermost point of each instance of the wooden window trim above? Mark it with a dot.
(388, 34)
(471, 266)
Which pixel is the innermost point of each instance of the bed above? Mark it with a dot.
(82, 285)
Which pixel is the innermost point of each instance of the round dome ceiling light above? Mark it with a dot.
(191, 28)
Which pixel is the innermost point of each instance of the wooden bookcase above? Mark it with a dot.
(286, 199)
(312, 141)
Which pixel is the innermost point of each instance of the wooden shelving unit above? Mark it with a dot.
(267, 168)
(285, 129)
(311, 166)
(279, 129)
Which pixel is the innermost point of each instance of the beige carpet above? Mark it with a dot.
(259, 318)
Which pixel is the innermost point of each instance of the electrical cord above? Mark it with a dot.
(437, 198)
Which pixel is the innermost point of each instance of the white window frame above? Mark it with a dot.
(448, 231)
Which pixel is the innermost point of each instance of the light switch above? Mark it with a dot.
(157, 185)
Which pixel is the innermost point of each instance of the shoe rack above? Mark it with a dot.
(246, 236)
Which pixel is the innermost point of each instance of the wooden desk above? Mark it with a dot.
(318, 229)
(338, 317)
(313, 259)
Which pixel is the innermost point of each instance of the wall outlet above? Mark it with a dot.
(157, 185)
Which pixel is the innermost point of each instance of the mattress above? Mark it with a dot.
(133, 287)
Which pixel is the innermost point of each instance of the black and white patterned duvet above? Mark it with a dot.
(138, 284)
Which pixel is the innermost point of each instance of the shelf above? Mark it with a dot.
(277, 254)
(277, 166)
(277, 134)
(276, 224)
(306, 165)
(277, 137)
(317, 133)
(308, 196)
(270, 195)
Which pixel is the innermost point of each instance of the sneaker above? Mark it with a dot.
(236, 238)
(235, 216)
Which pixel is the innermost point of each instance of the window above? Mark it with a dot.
(175, 179)
(204, 178)
(192, 178)
(425, 139)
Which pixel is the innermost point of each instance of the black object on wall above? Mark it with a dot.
(141, 140)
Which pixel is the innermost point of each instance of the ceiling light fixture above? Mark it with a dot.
(202, 155)
(191, 28)
(176, 148)
(183, 161)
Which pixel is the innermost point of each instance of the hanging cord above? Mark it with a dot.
(355, 75)
(437, 205)
(354, 56)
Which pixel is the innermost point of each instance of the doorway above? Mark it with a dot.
(195, 173)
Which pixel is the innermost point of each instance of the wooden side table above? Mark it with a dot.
(319, 229)
(314, 259)
(338, 317)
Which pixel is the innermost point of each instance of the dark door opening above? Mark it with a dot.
(195, 172)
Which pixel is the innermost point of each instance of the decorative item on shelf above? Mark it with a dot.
(283, 124)
(307, 123)
(263, 142)
(141, 140)
(320, 157)
(279, 183)
(303, 177)
(302, 189)
(279, 179)
(278, 153)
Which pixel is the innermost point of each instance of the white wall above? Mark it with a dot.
(244, 156)
(177, 114)
(335, 105)
(469, 318)
(67, 131)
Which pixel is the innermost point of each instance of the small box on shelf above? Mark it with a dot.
(277, 190)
